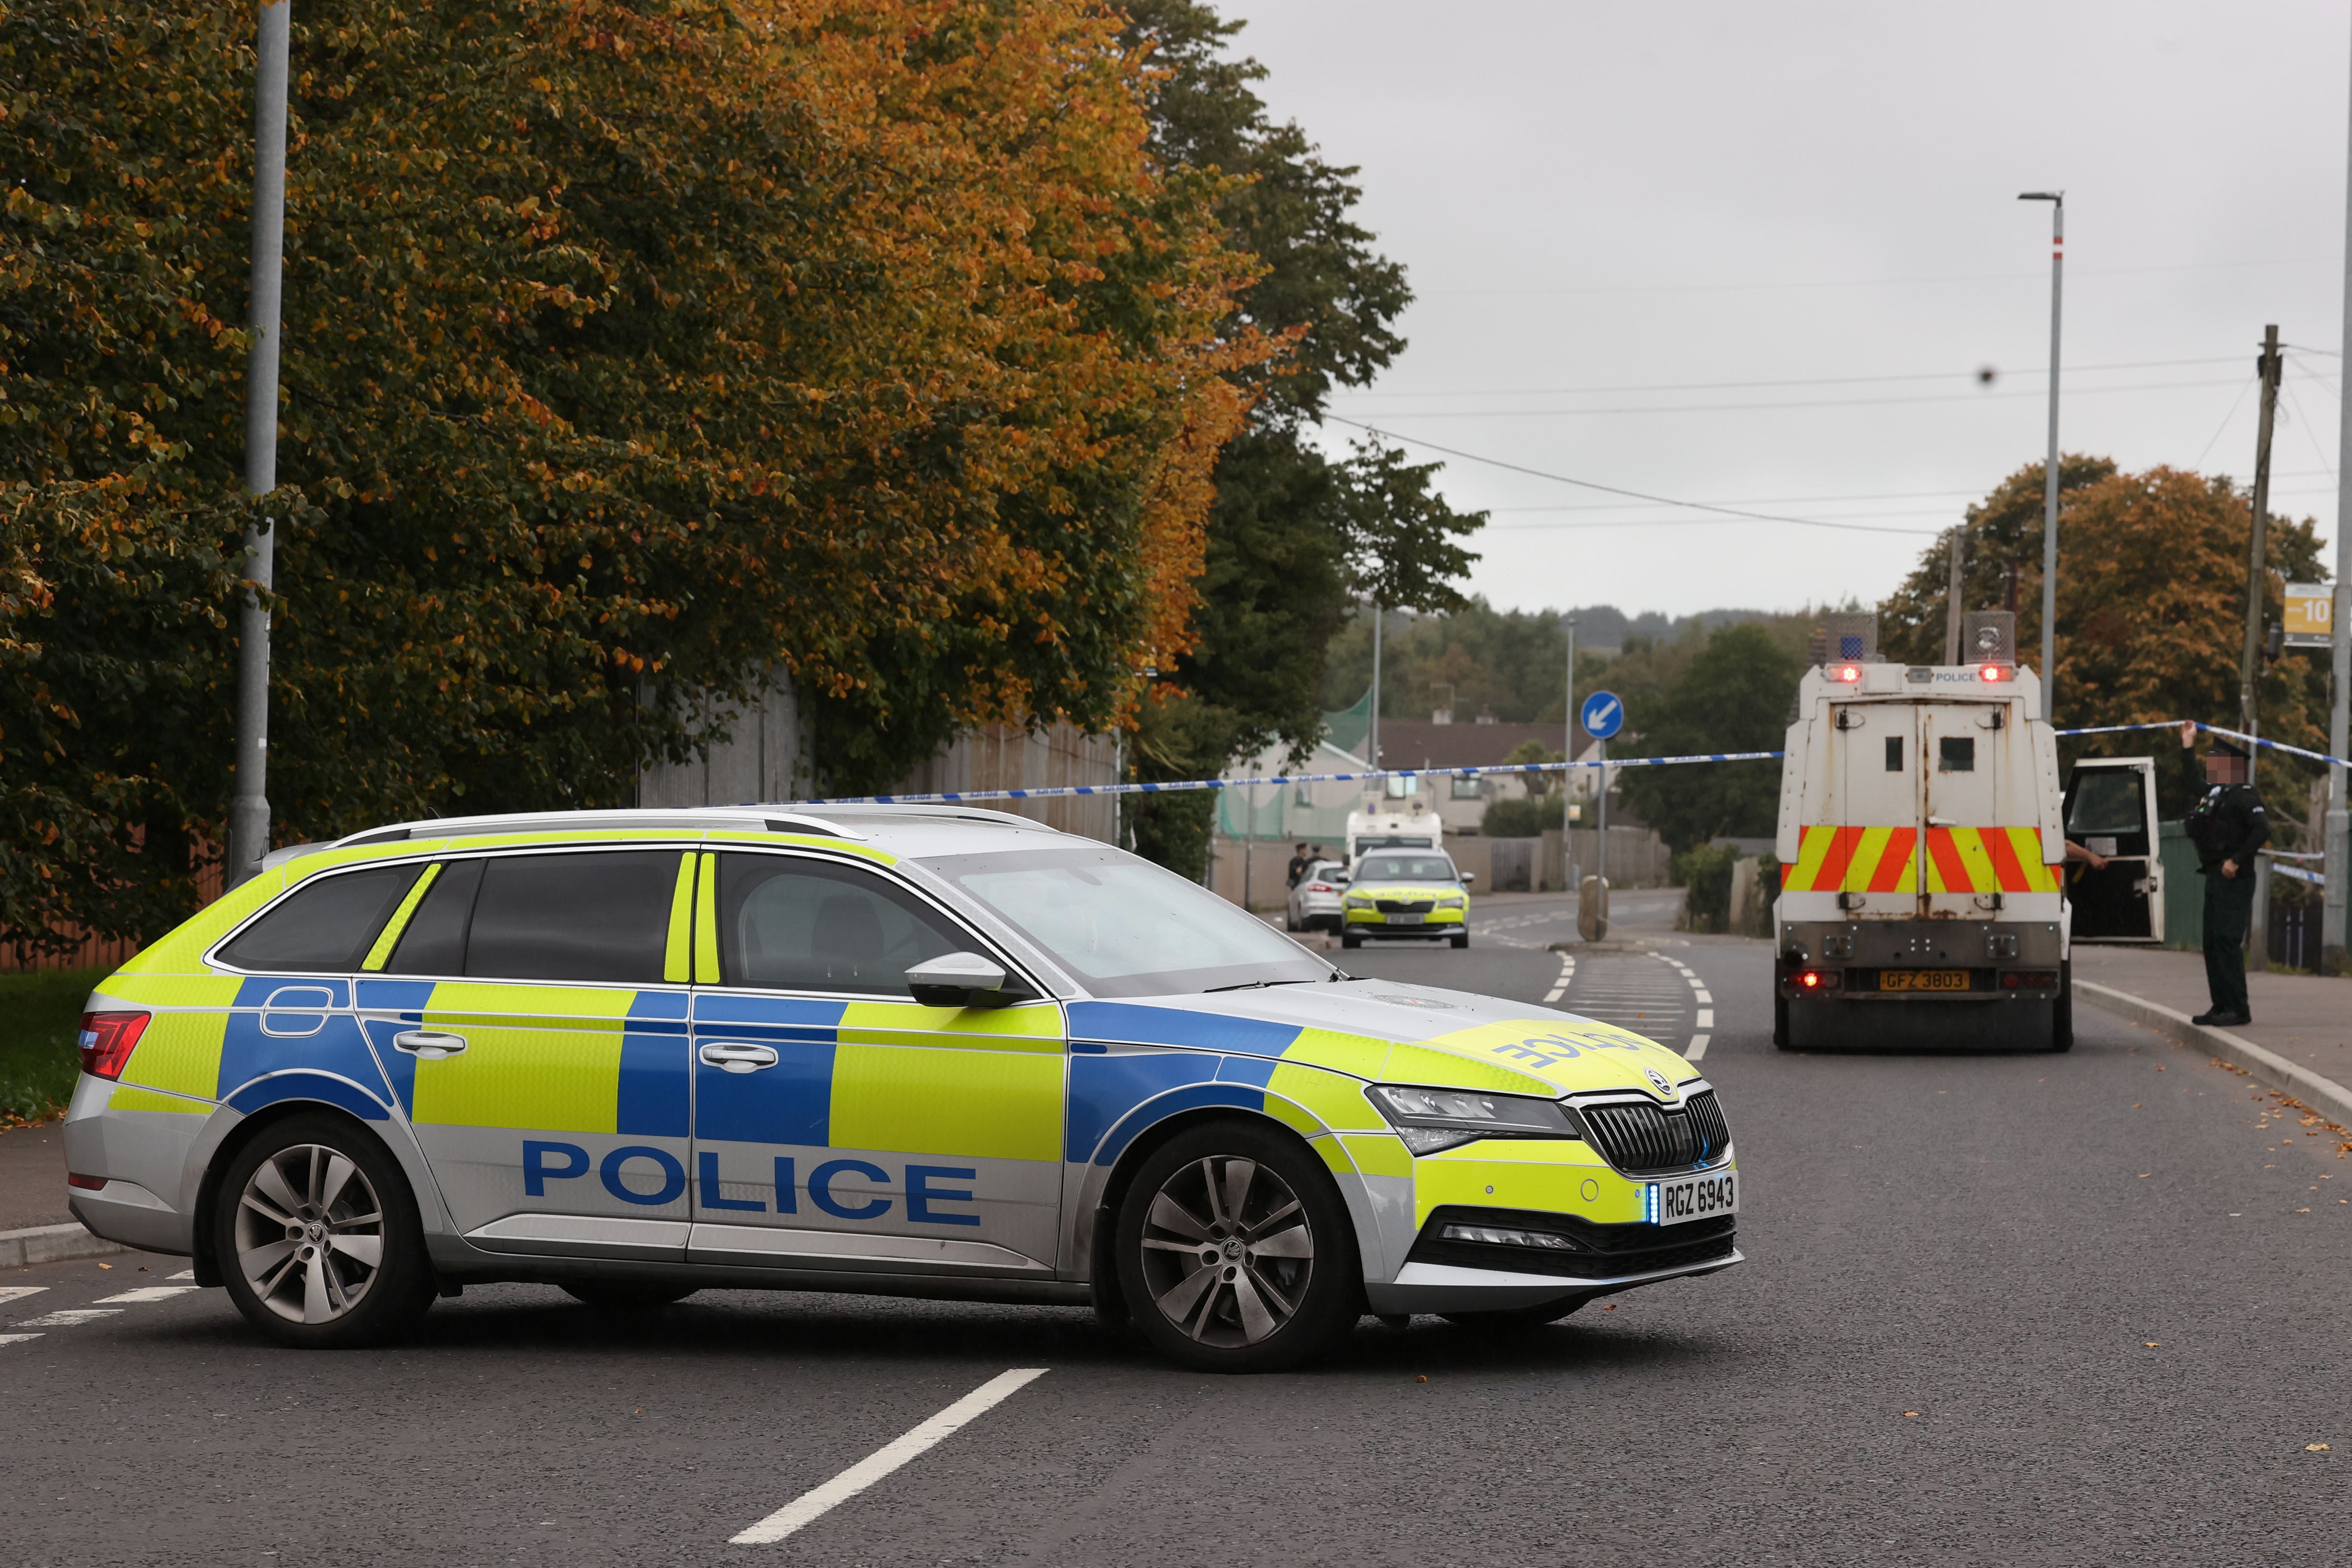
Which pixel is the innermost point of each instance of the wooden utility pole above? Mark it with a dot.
(2250, 661)
(1958, 542)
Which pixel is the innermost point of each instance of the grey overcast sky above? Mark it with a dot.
(1621, 220)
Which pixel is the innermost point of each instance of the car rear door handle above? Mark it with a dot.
(738, 1056)
(426, 1045)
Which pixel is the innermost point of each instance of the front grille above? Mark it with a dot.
(1406, 906)
(1603, 1251)
(1640, 1136)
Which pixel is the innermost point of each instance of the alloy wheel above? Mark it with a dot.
(310, 1234)
(1228, 1251)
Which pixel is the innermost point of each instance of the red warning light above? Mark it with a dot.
(1849, 672)
(1994, 672)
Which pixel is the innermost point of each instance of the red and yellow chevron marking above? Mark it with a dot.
(1854, 860)
(1882, 860)
(1988, 859)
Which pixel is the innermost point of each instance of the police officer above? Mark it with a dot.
(2227, 825)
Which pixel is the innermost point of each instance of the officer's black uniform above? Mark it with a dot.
(2226, 824)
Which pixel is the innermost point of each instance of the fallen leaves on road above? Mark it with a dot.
(1910, 1412)
(2315, 1448)
(2152, 1343)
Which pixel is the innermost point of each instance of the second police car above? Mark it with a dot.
(935, 1051)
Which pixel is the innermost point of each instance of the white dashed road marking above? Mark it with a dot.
(16, 1338)
(68, 1317)
(810, 1504)
(145, 1293)
(18, 1293)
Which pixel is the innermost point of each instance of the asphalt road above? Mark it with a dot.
(2078, 1309)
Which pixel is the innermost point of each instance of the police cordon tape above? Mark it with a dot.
(1060, 791)
(951, 797)
(2237, 734)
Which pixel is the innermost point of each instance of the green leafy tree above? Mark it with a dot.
(1733, 695)
(1295, 537)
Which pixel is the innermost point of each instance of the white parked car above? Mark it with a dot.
(1315, 901)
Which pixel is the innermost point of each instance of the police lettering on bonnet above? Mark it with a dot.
(2228, 826)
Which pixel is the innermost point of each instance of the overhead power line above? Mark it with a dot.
(1882, 282)
(1764, 407)
(1801, 381)
(1619, 490)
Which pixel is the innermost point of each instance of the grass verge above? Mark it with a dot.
(41, 1015)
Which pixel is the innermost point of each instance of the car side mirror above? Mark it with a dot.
(1469, 877)
(959, 981)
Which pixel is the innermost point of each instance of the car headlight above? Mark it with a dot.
(1354, 903)
(1456, 902)
(1428, 1120)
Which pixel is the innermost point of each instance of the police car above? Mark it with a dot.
(1406, 893)
(901, 1049)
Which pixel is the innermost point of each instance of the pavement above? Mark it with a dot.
(1998, 1310)
(2301, 1037)
(33, 1176)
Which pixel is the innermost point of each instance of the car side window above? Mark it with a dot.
(598, 916)
(326, 927)
(812, 926)
(434, 941)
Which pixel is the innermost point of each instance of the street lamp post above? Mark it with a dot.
(249, 811)
(2057, 200)
(1567, 754)
(2338, 836)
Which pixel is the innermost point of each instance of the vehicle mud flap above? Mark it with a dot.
(1921, 1028)
(2061, 1011)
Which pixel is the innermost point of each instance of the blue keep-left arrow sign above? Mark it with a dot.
(1603, 714)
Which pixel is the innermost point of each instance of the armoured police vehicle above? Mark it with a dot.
(1926, 894)
(903, 1051)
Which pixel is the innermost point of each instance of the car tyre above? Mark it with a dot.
(2061, 1009)
(626, 1295)
(1780, 1020)
(1459, 939)
(1517, 1320)
(1350, 939)
(316, 1236)
(1235, 1251)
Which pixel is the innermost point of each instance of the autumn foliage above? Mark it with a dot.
(2151, 607)
(633, 349)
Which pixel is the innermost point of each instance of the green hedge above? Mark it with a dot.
(41, 1015)
(1706, 876)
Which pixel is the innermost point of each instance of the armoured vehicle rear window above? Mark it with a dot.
(326, 927)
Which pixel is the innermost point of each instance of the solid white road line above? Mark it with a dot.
(810, 1504)
(1697, 1049)
(16, 1338)
(69, 1317)
(145, 1293)
(18, 1293)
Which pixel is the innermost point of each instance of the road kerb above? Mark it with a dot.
(2265, 1066)
(53, 1244)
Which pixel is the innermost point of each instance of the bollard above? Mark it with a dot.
(1592, 909)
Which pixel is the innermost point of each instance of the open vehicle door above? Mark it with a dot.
(2111, 811)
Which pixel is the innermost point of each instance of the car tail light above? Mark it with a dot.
(1994, 672)
(1817, 980)
(2027, 979)
(87, 1183)
(108, 1041)
(1849, 672)
(1320, 887)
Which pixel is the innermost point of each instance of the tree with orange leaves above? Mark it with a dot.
(632, 348)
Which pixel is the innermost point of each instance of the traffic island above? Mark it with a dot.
(2300, 1042)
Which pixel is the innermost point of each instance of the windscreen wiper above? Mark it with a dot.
(1253, 985)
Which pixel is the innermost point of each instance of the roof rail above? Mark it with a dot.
(697, 819)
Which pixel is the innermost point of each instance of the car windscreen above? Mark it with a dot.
(1406, 868)
(1123, 927)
